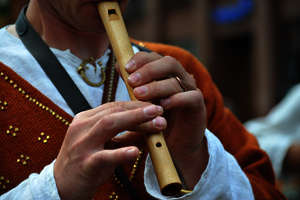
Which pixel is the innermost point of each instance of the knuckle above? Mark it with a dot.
(141, 53)
(99, 158)
(154, 54)
(198, 97)
(149, 70)
(155, 88)
(74, 146)
(171, 60)
(113, 104)
(193, 80)
(198, 94)
(117, 104)
(139, 57)
(142, 104)
(79, 116)
(107, 105)
(117, 109)
(78, 124)
(106, 123)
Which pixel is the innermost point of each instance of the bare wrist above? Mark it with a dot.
(192, 165)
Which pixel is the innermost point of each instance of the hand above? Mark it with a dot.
(162, 79)
(292, 162)
(83, 164)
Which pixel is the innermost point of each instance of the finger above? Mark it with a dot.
(105, 161)
(157, 124)
(157, 90)
(130, 137)
(191, 99)
(140, 59)
(156, 70)
(187, 83)
(87, 119)
(117, 156)
(108, 126)
(128, 105)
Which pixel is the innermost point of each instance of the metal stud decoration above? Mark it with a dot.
(12, 131)
(3, 105)
(4, 183)
(23, 159)
(43, 138)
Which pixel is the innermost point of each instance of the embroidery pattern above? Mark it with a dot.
(12, 131)
(23, 159)
(3, 183)
(43, 138)
(33, 100)
(114, 196)
(3, 105)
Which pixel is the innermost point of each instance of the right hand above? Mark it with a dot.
(83, 164)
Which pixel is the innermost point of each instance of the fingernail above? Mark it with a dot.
(130, 65)
(152, 110)
(131, 151)
(159, 122)
(134, 78)
(141, 91)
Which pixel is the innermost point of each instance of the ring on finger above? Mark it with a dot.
(179, 81)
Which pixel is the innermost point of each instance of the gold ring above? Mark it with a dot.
(180, 83)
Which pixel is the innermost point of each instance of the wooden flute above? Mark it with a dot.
(165, 170)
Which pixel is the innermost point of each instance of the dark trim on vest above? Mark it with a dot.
(50, 64)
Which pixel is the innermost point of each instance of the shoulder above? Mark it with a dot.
(3, 29)
(5, 36)
(9, 43)
(2, 36)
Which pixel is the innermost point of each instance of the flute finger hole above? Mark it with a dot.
(112, 14)
(112, 11)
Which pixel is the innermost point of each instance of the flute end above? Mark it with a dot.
(172, 189)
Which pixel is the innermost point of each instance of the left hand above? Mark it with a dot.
(162, 79)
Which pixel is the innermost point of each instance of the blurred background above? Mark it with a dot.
(250, 47)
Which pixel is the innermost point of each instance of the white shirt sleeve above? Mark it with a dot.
(222, 179)
(37, 187)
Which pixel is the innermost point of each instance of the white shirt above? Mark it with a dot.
(223, 178)
(279, 129)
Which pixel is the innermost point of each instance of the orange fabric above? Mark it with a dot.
(32, 118)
